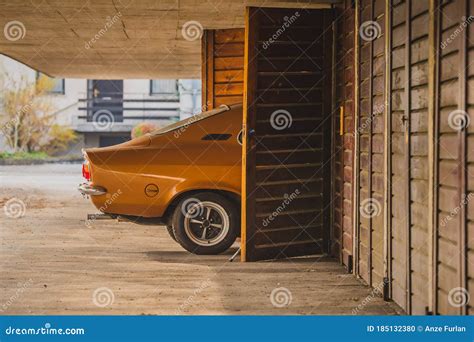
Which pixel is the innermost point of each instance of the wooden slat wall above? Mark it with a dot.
(222, 67)
(344, 144)
(419, 187)
(293, 160)
(455, 158)
(371, 141)
(398, 241)
(377, 149)
(426, 177)
(469, 248)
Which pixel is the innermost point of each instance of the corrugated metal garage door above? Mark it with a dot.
(288, 123)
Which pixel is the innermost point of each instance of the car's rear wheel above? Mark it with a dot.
(169, 228)
(206, 223)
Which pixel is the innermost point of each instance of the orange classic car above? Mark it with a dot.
(186, 176)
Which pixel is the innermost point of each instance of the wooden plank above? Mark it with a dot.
(407, 151)
(248, 150)
(462, 238)
(387, 154)
(356, 198)
(433, 152)
(370, 151)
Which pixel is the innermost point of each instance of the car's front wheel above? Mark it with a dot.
(206, 223)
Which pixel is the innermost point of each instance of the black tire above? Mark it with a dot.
(171, 232)
(195, 208)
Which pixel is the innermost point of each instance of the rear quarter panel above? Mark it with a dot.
(176, 162)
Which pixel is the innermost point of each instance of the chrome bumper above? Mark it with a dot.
(87, 189)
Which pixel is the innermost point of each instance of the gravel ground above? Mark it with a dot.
(51, 262)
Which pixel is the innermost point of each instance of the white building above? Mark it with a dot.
(103, 112)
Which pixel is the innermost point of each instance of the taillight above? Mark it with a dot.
(86, 173)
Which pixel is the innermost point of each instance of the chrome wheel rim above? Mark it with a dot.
(206, 223)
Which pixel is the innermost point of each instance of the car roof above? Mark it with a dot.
(195, 118)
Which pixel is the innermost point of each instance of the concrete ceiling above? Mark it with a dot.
(118, 38)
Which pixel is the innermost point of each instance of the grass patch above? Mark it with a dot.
(23, 155)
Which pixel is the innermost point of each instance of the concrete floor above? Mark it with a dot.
(51, 262)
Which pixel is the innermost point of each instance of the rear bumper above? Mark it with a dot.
(91, 190)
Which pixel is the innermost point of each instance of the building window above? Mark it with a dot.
(54, 85)
(164, 88)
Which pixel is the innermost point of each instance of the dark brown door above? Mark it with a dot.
(287, 119)
(106, 100)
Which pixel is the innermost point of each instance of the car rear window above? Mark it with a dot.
(190, 120)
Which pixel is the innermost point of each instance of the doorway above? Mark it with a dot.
(286, 192)
(105, 100)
